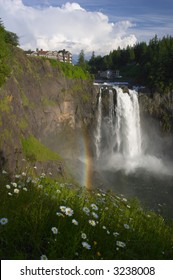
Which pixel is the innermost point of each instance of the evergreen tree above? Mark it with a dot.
(81, 60)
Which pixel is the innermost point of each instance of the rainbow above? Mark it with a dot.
(88, 163)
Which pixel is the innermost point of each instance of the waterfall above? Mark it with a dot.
(123, 125)
(111, 112)
(98, 128)
(127, 127)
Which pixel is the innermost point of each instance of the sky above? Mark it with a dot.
(92, 25)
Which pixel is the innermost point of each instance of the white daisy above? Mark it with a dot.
(92, 223)
(69, 212)
(126, 226)
(86, 210)
(43, 257)
(14, 185)
(16, 190)
(121, 244)
(63, 208)
(86, 245)
(75, 222)
(94, 207)
(83, 235)
(54, 230)
(3, 221)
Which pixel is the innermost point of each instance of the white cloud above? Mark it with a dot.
(70, 27)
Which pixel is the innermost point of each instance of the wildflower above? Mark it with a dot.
(75, 222)
(35, 167)
(59, 214)
(69, 212)
(115, 234)
(128, 206)
(40, 186)
(10, 194)
(17, 176)
(4, 172)
(25, 189)
(3, 221)
(58, 191)
(124, 199)
(62, 185)
(83, 235)
(29, 179)
(54, 230)
(126, 226)
(95, 215)
(14, 185)
(63, 208)
(106, 208)
(94, 207)
(121, 244)
(103, 227)
(108, 232)
(43, 257)
(86, 245)
(16, 190)
(98, 194)
(42, 175)
(23, 174)
(86, 210)
(92, 223)
(8, 187)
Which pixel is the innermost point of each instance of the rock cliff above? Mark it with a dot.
(42, 113)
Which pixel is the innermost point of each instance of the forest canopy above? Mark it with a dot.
(148, 64)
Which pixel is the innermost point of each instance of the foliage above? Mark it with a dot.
(81, 60)
(36, 151)
(74, 71)
(70, 71)
(7, 39)
(150, 65)
(44, 218)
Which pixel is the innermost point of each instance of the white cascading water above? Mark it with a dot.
(127, 125)
(99, 123)
(124, 124)
(111, 112)
(118, 136)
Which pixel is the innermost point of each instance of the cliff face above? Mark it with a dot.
(40, 108)
(159, 107)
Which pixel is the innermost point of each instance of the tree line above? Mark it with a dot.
(147, 64)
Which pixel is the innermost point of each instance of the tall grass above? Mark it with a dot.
(54, 219)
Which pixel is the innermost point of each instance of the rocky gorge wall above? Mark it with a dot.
(42, 109)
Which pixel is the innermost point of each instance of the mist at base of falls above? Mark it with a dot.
(133, 158)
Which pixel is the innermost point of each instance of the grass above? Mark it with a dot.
(54, 219)
(36, 151)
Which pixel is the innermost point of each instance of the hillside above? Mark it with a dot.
(44, 107)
